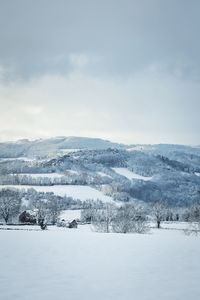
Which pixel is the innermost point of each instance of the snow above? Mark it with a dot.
(80, 264)
(70, 214)
(72, 171)
(66, 151)
(197, 174)
(130, 175)
(81, 192)
(103, 174)
(136, 148)
(25, 202)
(175, 225)
(18, 158)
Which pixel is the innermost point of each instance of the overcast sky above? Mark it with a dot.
(124, 70)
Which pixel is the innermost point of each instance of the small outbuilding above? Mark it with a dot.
(73, 224)
(28, 217)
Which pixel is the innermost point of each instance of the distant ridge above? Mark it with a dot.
(60, 144)
(25, 147)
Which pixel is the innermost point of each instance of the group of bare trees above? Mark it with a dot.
(48, 210)
(65, 178)
(111, 218)
(10, 203)
(130, 218)
(46, 206)
(136, 218)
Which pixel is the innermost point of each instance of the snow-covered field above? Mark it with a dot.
(81, 192)
(175, 225)
(70, 214)
(130, 175)
(79, 264)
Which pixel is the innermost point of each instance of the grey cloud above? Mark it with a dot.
(126, 70)
(128, 34)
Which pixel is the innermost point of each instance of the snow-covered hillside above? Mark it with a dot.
(145, 172)
(75, 191)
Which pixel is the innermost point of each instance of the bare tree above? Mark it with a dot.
(130, 218)
(10, 202)
(40, 205)
(194, 217)
(54, 207)
(158, 211)
(90, 210)
(103, 218)
(48, 208)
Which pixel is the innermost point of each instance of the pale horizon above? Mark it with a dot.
(120, 141)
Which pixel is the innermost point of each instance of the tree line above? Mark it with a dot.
(104, 217)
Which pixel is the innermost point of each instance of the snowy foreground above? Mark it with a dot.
(79, 264)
